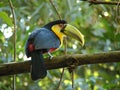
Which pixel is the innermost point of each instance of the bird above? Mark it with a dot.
(45, 40)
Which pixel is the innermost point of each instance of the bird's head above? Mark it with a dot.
(61, 28)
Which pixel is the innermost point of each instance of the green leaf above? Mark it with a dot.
(4, 16)
(1, 37)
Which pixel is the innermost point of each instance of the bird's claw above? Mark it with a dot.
(50, 55)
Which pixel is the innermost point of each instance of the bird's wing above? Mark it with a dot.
(42, 39)
(46, 39)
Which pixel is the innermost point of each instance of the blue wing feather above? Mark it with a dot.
(46, 39)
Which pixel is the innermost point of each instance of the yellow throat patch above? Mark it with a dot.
(57, 30)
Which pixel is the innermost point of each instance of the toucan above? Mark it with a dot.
(47, 39)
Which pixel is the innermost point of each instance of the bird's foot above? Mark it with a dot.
(50, 55)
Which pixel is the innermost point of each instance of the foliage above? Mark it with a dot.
(99, 23)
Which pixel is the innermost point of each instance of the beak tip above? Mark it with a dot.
(82, 44)
(82, 40)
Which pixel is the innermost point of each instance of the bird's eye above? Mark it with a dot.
(62, 27)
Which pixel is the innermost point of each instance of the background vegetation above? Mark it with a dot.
(99, 23)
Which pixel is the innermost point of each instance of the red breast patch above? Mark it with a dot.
(52, 49)
(31, 47)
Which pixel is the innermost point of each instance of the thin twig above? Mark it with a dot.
(55, 9)
(117, 12)
(101, 2)
(63, 69)
(72, 77)
(61, 76)
(14, 31)
(59, 16)
(70, 68)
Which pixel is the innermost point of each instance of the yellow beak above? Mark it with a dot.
(73, 32)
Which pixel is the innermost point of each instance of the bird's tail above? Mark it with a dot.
(38, 67)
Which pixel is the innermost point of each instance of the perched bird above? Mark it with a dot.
(48, 39)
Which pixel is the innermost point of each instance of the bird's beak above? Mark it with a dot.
(73, 32)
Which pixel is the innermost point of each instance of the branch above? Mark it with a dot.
(14, 41)
(102, 2)
(61, 61)
(59, 16)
